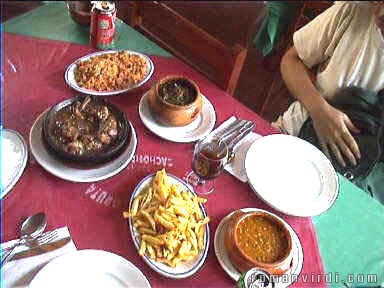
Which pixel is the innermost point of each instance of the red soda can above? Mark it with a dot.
(103, 24)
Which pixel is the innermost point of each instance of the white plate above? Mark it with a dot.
(222, 256)
(89, 268)
(14, 155)
(192, 132)
(72, 173)
(291, 175)
(184, 269)
(70, 74)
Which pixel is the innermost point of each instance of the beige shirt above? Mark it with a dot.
(347, 47)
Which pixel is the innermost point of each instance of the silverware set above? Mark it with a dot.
(31, 236)
(233, 134)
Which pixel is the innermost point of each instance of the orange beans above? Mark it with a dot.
(261, 239)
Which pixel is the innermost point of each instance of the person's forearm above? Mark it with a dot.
(297, 78)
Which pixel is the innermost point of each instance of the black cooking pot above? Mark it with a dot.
(108, 153)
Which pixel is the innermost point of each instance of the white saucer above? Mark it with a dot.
(14, 155)
(198, 129)
(89, 268)
(72, 173)
(291, 175)
(222, 256)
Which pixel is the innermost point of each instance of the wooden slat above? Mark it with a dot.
(190, 43)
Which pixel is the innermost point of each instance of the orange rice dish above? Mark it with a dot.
(111, 72)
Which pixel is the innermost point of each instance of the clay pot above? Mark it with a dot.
(172, 114)
(241, 260)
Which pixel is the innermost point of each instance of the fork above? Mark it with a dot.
(231, 130)
(46, 238)
(244, 132)
(41, 240)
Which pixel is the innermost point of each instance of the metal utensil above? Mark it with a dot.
(45, 247)
(46, 238)
(247, 128)
(239, 136)
(236, 136)
(231, 130)
(32, 227)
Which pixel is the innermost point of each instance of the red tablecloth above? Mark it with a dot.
(33, 81)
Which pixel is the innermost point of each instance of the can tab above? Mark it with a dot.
(105, 5)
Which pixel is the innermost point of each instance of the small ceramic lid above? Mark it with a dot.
(14, 155)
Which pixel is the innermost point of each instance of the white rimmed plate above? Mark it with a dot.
(89, 268)
(226, 264)
(291, 175)
(14, 155)
(192, 132)
(69, 74)
(74, 173)
(184, 269)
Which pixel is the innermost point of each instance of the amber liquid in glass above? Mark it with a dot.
(209, 161)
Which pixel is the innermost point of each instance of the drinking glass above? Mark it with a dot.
(209, 158)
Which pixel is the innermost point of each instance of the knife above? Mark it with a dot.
(240, 134)
(41, 249)
(230, 129)
(234, 131)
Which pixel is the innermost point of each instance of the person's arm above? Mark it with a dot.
(331, 125)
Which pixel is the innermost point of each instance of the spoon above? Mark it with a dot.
(32, 227)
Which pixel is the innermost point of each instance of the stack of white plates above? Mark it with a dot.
(14, 155)
(89, 268)
(291, 175)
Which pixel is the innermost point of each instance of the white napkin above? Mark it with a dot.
(236, 167)
(20, 272)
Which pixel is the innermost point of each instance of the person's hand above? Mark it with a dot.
(333, 129)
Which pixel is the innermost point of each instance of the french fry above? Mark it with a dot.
(180, 210)
(144, 230)
(177, 201)
(142, 249)
(200, 237)
(203, 222)
(139, 223)
(201, 200)
(171, 254)
(135, 206)
(168, 216)
(166, 261)
(148, 198)
(151, 252)
(150, 209)
(193, 239)
(152, 240)
(184, 248)
(159, 251)
(164, 222)
(186, 196)
(126, 214)
(149, 218)
(165, 252)
(175, 261)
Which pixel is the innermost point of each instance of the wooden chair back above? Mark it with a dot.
(220, 62)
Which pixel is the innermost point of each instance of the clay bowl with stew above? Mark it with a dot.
(175, 100)
(258, 239)
(93, 132)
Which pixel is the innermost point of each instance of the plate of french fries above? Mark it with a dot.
(169, 225)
